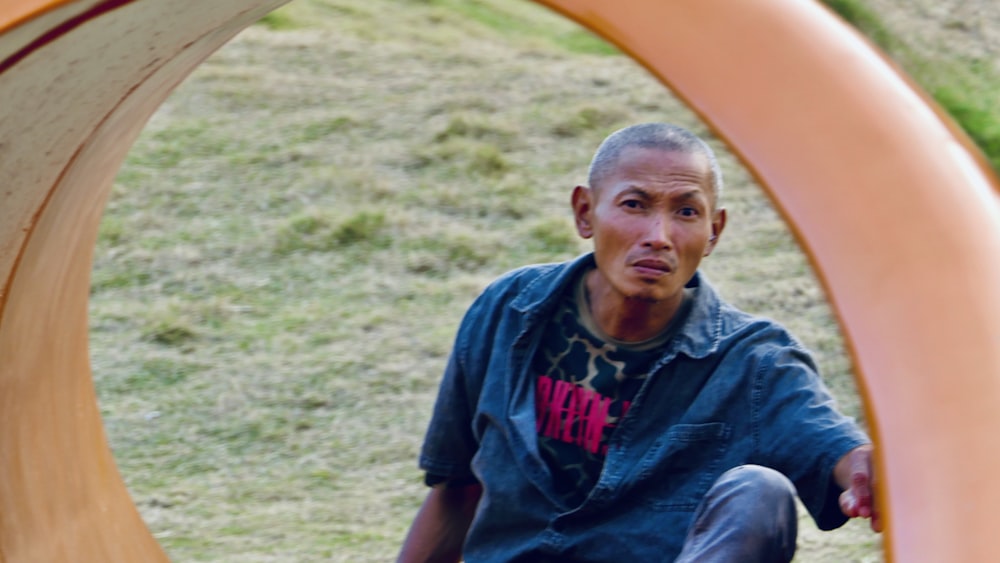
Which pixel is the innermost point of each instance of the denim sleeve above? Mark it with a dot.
(799, 431)
(451, 441)
(449, 444)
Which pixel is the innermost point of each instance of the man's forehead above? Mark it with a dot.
(641, 168)
(636, 164)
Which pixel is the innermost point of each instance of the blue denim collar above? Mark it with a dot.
(699, 337)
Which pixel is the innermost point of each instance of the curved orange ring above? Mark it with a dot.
(892, 203)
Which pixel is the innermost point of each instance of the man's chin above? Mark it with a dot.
(652, 294)
(647, 297)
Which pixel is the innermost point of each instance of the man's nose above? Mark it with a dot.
(657, 235)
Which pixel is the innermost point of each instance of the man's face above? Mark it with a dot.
(652, 220)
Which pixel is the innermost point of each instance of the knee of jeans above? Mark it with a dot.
(764, 483)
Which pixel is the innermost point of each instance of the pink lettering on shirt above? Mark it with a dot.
(595, 423)
(557, 409)
(572, 413)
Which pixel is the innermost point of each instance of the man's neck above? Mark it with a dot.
(628, 320)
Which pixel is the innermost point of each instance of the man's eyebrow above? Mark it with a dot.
(687, 195)
(634, 190)
(692, 194)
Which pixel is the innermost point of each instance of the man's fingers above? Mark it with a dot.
(858, 500)
(862, 492)
(848, 504)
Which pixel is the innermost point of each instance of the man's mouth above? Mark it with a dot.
(652, 266)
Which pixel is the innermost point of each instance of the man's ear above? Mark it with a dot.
(718, 224)
(583, 209)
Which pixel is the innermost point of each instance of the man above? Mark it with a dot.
(614, 408)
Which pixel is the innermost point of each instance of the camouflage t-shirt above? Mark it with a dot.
(585, 382)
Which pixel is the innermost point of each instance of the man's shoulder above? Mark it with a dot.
(735, 327)
(524, 276)
(756, 328)
(519, 294)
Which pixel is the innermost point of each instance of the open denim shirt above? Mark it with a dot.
(730, 389)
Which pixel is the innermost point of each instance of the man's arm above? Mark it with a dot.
(855, 475)
(439, 529)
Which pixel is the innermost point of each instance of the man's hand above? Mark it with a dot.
(855, 475)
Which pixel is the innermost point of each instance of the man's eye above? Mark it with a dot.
(632, 204)
(688, 212)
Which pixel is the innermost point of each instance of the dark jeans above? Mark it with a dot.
(747, 516)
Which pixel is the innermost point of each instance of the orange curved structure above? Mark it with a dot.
(894, 206)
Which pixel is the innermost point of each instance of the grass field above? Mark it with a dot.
(293, 239)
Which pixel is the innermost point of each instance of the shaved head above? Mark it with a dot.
(661, 136)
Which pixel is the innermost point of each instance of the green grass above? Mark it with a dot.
(973, 105)
(863, 17)
(515, 22)
(295, 236)
(323, 231)
(290, 17)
